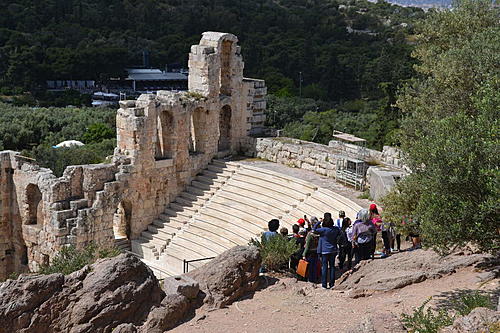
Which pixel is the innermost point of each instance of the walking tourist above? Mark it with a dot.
(363, 235)
(355, 250)
(311, 255)
(377, 222)
(346, 248)
(299, 238)
(396, 240)
(330, 237)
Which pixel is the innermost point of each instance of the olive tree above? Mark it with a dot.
(450, 132)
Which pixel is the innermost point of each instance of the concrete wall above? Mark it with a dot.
(163, 141)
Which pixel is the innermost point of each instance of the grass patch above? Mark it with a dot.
(365, 195)
(194, 95)
(288, 140)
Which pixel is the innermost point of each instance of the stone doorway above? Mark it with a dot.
(225, 128)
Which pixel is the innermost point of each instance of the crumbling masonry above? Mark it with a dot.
(163, 141)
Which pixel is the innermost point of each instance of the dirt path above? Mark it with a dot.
(289, 305)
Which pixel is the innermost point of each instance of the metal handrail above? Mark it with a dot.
(186, 263)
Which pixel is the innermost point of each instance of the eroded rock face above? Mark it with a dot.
(121, 294)
(479, 320)
(401, 270)
(229, 276)
(95, 299)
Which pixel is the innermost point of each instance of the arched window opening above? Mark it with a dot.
(199, 130)
(225, 128)
(225, 70)
(33, 199)
(24, 255)
(165, 131)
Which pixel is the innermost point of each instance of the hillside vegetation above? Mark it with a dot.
(35, 130)
(350, 56)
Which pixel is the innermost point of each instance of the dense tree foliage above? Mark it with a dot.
(451, 130)
(375, 120)
(35, 131)
(344, 52)
(97, 39)
(347, 53)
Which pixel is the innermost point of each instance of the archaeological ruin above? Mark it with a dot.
(167, 196)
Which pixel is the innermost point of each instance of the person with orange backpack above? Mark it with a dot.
(310, 253)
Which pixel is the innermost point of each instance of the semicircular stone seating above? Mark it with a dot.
(228, 204)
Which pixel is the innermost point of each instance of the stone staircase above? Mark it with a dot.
(178, 214)
(228, 204)
(122, 244)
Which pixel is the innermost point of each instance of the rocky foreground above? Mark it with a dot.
(403, 269)
(122, 295)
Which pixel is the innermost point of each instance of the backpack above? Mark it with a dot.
(364, 238)
(343, 241)
(314, 243)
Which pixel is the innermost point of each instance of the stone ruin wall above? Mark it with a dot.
(163, 141)
(316, 157)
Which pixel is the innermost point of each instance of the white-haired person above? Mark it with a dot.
(363, 234)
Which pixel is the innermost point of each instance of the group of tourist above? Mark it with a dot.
(322, 240)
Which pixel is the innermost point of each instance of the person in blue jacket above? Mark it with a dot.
(330, 237)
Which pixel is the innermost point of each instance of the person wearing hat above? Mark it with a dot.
(301, 222)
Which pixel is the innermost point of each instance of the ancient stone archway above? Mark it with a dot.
(165, 130)
(225, 128)
(121, 221)
(199, 130)
(34, 208)
(225, 68)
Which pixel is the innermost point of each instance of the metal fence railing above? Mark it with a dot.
(186, 263)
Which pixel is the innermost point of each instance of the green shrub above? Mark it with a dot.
(466, 303)
(430, 321)
(69, 259)
(275, 252)
(426, 320)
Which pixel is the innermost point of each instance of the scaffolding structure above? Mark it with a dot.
(350, 170)
(345, 138)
